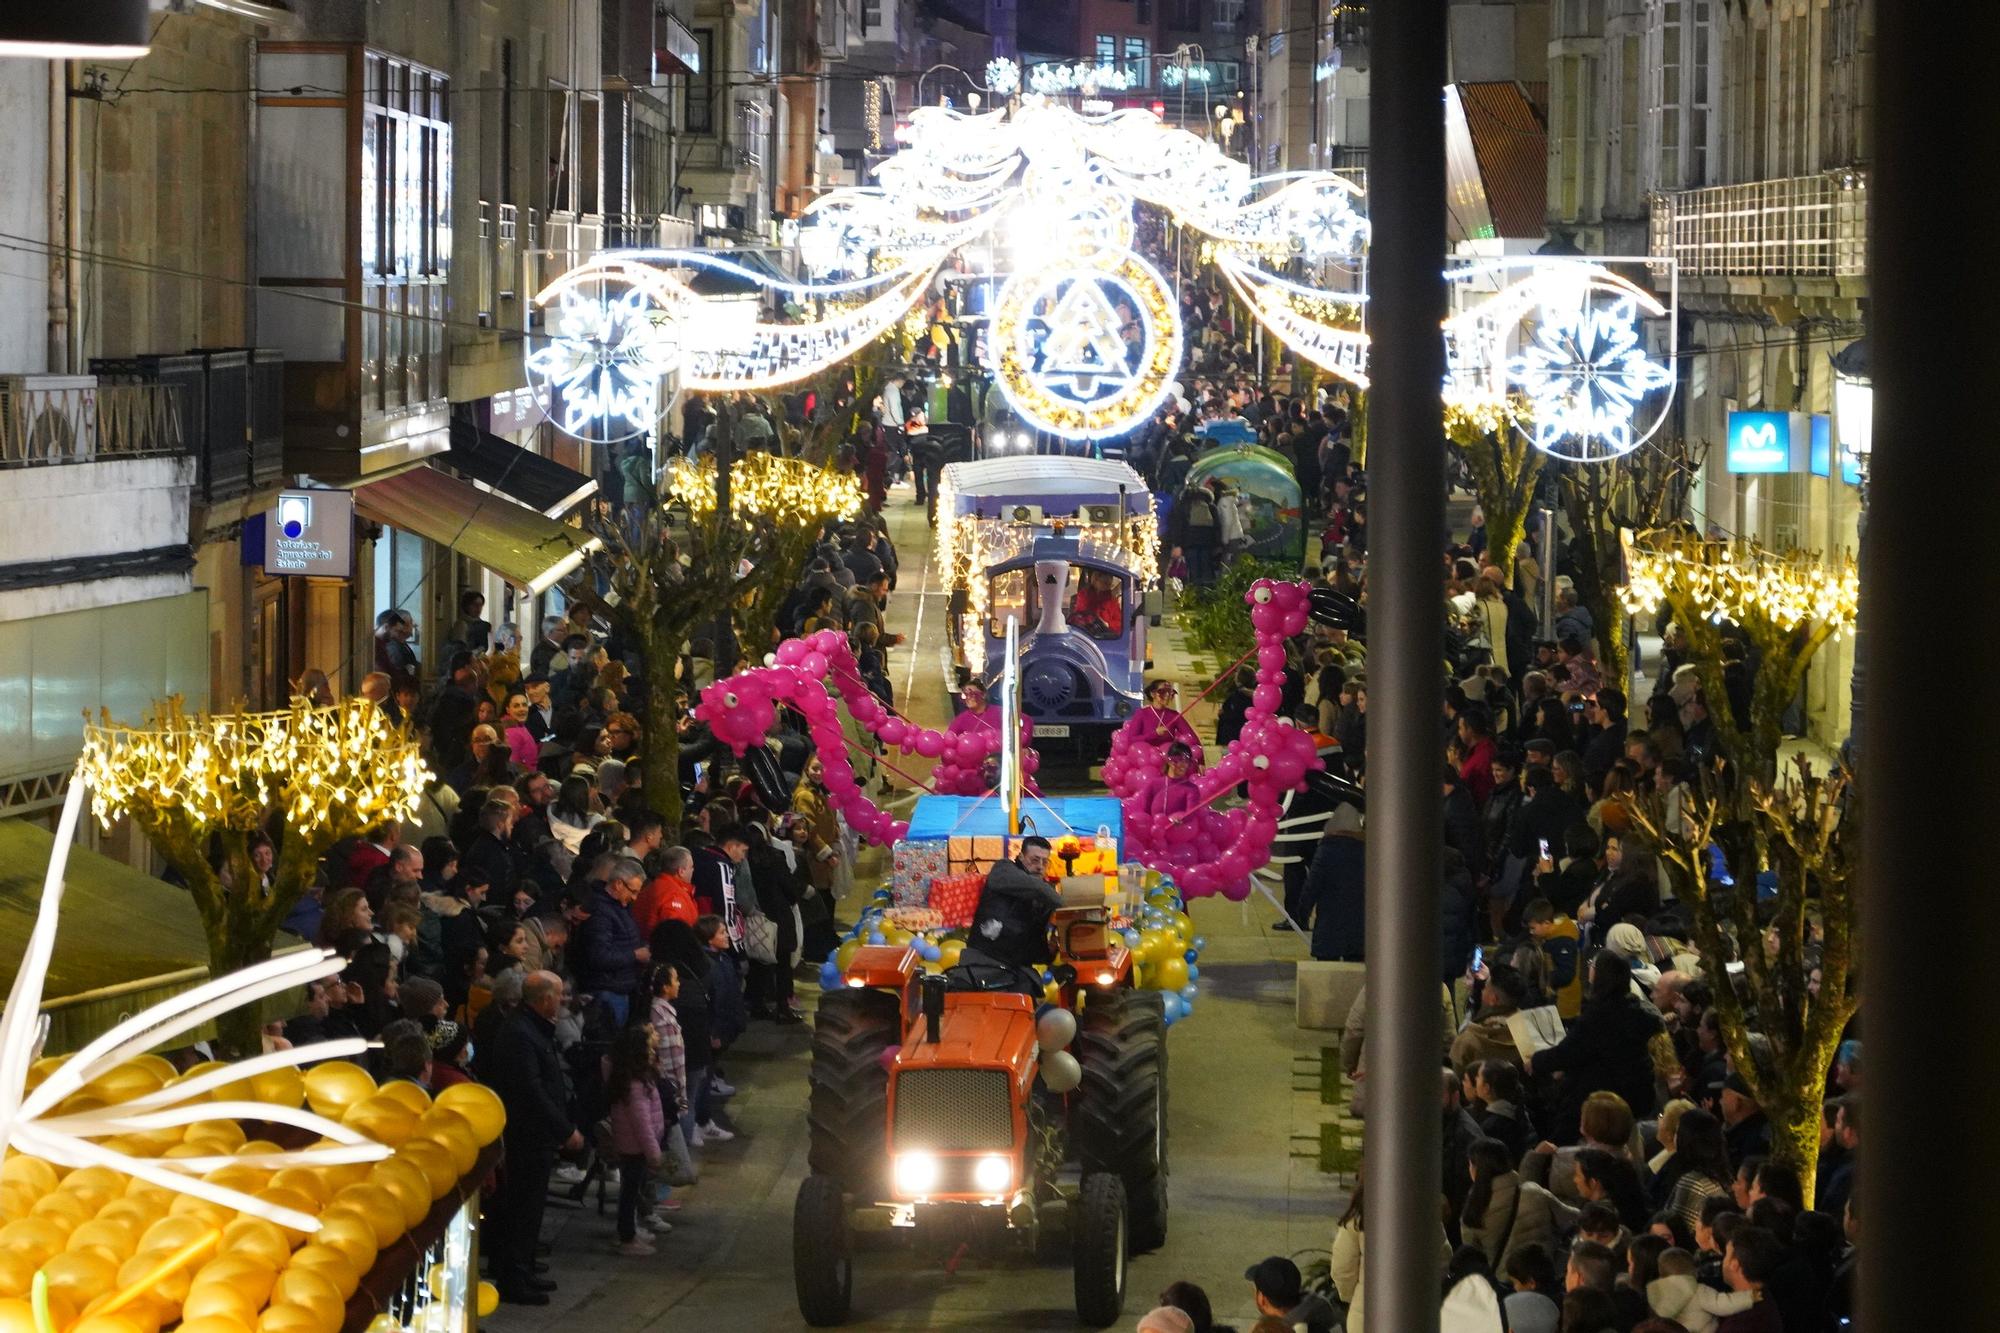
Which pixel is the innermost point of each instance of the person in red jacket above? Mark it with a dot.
(1476, 751)
(670, 894)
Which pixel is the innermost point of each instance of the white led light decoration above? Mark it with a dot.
(1049, 80)
(1584, 372)
(1003, 77)
(1063, 358)
(610, 335)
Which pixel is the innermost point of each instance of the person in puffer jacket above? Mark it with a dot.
(1677, 1294)
(638, 1127)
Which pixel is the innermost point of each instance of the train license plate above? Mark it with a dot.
(1051, 729)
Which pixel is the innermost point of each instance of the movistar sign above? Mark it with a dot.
(1766, 442)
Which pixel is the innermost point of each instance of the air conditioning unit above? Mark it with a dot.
(1024, 513)
(1104, 515)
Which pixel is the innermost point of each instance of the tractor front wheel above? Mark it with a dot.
(1118, 1116)
(1098, 1248)
(847, 1111)
(822, 1259)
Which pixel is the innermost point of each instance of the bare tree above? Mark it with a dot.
(1642, 490)
(1503, 466)
(1761, 971)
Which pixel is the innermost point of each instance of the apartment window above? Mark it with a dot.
(871, 15)
(1184, 15)
(1678, 44)
(753, 126)
(405, 233)
(1625, 143)
(699, 113)
(1136, 67)
(1227, 15)
(1107, 49)
(1574, 78)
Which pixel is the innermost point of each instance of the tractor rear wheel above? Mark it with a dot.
(822, 1259)
(1099, 1243)
(1118, 1118)
(848, 1107)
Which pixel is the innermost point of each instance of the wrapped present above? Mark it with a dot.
(954, 897)
(914, 866)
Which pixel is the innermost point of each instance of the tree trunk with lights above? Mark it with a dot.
(1642, 490)
(1801, 831)
(1503, 466)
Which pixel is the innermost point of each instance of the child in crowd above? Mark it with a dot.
(638, 1124)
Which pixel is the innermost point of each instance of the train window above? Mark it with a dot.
(1098, 608)
(1010, 594)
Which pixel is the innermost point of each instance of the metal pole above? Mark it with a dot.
(1932, 359)
(1405, 644)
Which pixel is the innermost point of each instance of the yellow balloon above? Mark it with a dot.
(291, 1319)
(249, 1276)
(17, 1273)
(39, 1071)
(456, 1134)
(205, 1211)
(435, 1161)
(489, 1299)
(98, 1183)
(296, 1200)
(408, 1093)
(481, 1107)
(409, 1184)
(170, 1288)
(174, 1233)
(307, 1286)
(35, 1237)
(351, 1235)
(116, 1237)
(304, 1180)
(17, 1316)
(248, 1179)
(71, 1210)
(84, 1274)
(382, 1118)
(280, 1087)
(217, 1323)
(384, 1323)
(381, 1210)
(31, 1171)
(259, 1239)
(336, 1085)
(258, 1148)
(1169, 973)
(219, 1300)
(339, 1177)
(332, 1264)
(226, 1133)
(125, 1321)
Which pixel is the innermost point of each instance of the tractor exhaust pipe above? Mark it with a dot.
(933, 1002)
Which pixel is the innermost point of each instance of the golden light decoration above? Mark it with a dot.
(1474, 416)
(764, 485)
(1741, 581)
(340, 766)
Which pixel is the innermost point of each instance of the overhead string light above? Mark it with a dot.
(1085, 339)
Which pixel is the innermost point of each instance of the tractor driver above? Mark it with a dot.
(1010, 927)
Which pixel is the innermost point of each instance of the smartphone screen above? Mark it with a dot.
(1478, 957)
(1545, 849)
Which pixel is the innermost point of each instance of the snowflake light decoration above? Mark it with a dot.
(610, 337)
(1003, 77)
(1585, 373)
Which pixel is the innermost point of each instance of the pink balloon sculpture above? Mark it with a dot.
(1203, 849)
(741, 709)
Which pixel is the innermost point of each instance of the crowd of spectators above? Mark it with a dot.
(544, 931)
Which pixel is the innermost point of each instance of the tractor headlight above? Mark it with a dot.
(916, 1173)
(992, 1175)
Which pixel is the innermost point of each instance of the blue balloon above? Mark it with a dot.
(1191, 955)
(876, 937)
(1172, 1007)
(1194, 973)
(1189, 992)
(1200, 943)
(929, 952)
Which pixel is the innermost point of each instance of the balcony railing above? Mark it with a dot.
(74, 419)
(1797, 226)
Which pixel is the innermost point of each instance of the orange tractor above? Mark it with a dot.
(956, 1116)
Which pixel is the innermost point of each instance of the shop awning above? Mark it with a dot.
(525, 547)
(540, 483)
(119, 925)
